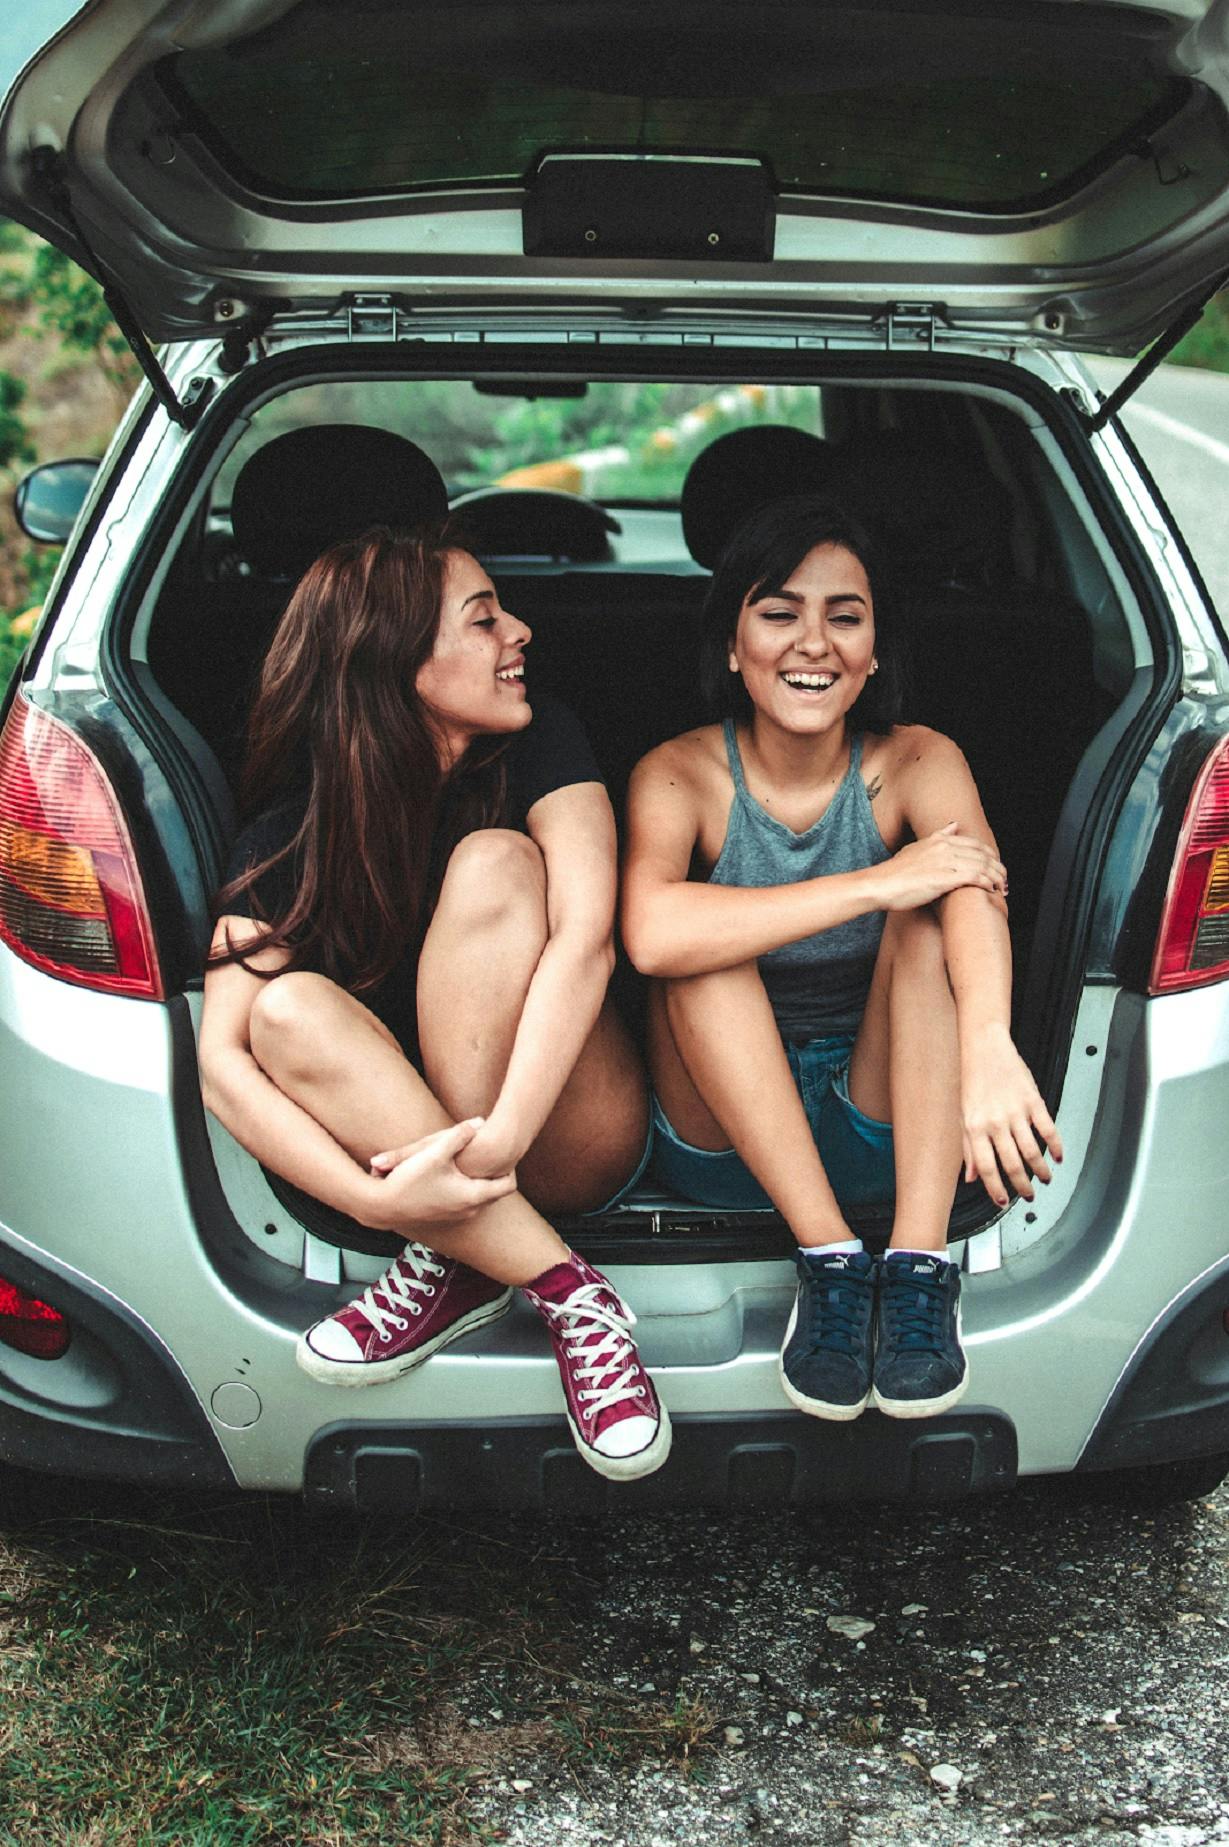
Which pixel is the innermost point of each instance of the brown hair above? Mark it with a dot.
(336, 714)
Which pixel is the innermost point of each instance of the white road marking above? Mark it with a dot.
(1172, 426)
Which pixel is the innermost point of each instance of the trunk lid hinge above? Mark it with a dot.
(185, 411)
(372, 317)
(911, 324)
(1095, 421)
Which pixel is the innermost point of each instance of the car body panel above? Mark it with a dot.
(193, 245)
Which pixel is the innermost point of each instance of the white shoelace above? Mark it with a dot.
(403, 1277)
(582, 1318)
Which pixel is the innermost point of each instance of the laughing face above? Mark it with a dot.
(474, 682)
(804, 651)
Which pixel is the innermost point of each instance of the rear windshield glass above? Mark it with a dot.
(622, 443)
(925, 105)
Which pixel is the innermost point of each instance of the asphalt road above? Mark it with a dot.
(1044, 1664)
(1179, 420)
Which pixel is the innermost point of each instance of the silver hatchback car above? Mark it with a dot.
(339, 237)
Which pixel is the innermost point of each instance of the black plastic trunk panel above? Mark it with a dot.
(531, 1465)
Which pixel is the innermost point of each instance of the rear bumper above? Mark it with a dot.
(530, 1465)
(1172, 1403)
(115, 1405)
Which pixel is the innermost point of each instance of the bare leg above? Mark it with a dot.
(905, 1070)
(331, 1056)
(723, 1080)
(486, 936)
(594, 1137)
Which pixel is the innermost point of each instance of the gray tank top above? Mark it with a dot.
(818, 986)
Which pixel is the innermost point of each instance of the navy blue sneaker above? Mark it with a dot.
(826, 1355)
(920, 1365)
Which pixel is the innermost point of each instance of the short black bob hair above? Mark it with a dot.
(763, 553)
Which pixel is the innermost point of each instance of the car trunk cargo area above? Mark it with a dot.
(1023, 636)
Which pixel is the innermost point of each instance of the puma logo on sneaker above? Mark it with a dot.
(825, 1363)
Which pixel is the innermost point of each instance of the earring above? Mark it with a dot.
(874, 665)
(733, 662)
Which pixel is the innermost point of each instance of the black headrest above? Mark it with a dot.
(938, 515)
(311, 488)
(743, 471)
(534, 522)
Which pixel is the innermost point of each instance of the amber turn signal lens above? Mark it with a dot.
(50, 871)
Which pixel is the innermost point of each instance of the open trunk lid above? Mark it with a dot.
(1054, 171)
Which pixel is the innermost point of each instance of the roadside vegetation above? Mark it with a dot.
(65, 376)
(236, 1672)
(1207, 344)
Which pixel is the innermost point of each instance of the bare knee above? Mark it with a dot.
(494, 875)
(914, 936)
(289, 1022)
(913, 941)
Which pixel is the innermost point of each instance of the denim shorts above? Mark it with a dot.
(856, 1151)
(633, 1179)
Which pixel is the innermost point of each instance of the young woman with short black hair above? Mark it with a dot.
(819, 897)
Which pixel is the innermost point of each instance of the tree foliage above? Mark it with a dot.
(70, 305)
(1207, 344)
(15, 444)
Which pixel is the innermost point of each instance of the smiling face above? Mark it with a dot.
(805, 651)
(474, 682)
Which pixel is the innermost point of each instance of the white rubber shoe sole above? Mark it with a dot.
(627, 1468)
(814, 1407)
(926, 1407)
(921, 1407)
(380, 1372)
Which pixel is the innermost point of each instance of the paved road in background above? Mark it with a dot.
(1180, 422)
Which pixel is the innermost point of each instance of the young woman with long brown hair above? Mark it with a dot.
(820, 895)
(405, 1010)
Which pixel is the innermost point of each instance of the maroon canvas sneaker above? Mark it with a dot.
(619, 1424)
(421, 1303)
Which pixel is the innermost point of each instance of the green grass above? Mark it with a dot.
(241, 1672)
(1207, 344)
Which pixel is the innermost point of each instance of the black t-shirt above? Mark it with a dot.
(551, 753)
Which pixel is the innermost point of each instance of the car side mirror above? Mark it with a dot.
(49, 498)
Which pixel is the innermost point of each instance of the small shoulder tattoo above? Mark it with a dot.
(874, 787)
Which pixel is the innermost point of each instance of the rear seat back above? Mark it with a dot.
(297, 495)
(620, 649)
(1002, 666)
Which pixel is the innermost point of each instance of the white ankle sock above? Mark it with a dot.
(916, 1250)
(826, 1250)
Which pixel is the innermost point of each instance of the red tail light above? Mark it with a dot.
(71, 900)
(1193, 947)
(30, 1325)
